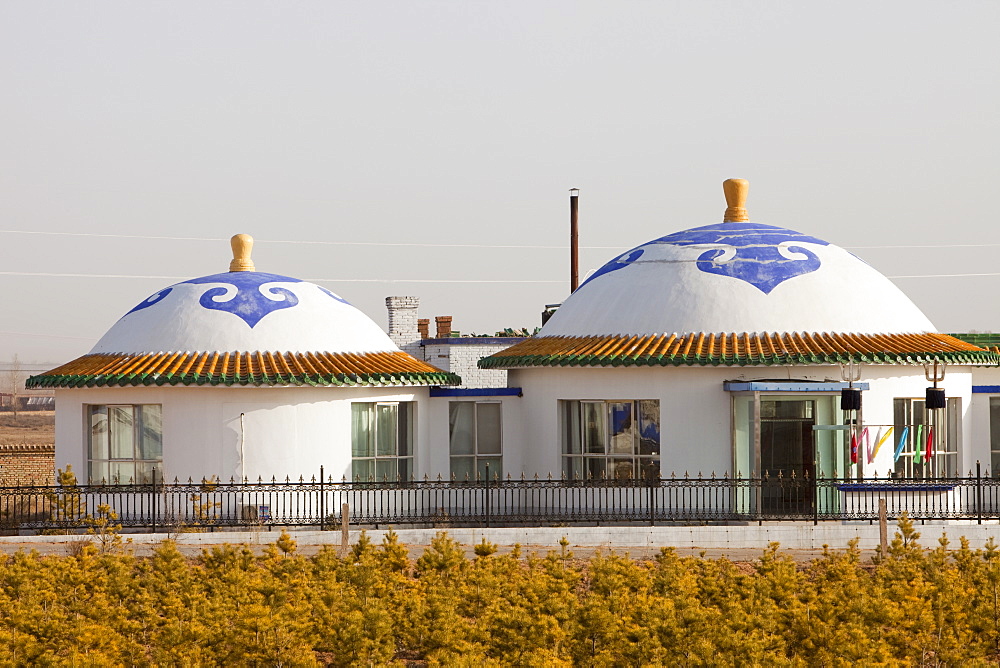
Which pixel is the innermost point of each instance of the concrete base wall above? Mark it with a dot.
(795, 536)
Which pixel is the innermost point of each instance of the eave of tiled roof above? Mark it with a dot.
(743, 349)
(988, 340)
(244, 368)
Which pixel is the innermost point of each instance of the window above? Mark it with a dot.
(124, 443)
(474, 431)
(382, 440)
(995, 437)
(912, 414)
(613, 439)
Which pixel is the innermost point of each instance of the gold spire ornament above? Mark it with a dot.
(242, 247)
(736, 199)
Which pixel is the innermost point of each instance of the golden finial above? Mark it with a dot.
(242, 246)
(736, 199)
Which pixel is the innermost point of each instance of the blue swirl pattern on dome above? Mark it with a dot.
(757, 259)
(151, 300)
(252, 301)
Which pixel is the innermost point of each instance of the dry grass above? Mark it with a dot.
(35, 427)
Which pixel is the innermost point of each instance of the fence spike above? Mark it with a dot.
(313, 479)
(536, 475)
(426, 479)
(190, 481)
(343, 478)
(699, 475)
(685, 475)
(439, 477)
(287, 479)
(232, 481)
(550, 475)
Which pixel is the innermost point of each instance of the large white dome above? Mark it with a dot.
(244, 311)
(736, 277)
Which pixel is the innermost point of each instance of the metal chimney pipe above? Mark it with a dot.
(574, 239)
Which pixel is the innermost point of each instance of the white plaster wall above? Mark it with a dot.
(695, 411)
(288, 431)
(980, 415)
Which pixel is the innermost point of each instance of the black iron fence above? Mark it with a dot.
(209, 505)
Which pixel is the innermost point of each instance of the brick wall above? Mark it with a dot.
(463, 358)
(24, 464)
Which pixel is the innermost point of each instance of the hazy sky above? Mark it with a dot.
(865, 124)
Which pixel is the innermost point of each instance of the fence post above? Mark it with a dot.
(345, 522)
(154, 499)
(322, 499)
(654, 482)
(883, 527)
(487, 495)
(979, 493)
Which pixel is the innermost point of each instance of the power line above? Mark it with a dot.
(45, 274)
(441, 245)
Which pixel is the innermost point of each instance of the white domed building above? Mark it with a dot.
(724, 349)
(242, 374)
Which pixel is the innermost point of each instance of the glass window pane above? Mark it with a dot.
(405, 467)
(99, 472)
(404, 433)
(622, 427)
(571, 427)
(122, 472)
(150, 432)
(622, 468)
(385, 429)
(495, 466)
(488, 428)
(594, 430)
(144, 471)
(573, 468)
(649, 427)
(385, 469)
(122, 432)
(361, 440)
(98, 433)
(461, 421)
(362, 469)
(595, 467)
(462, 468)
(995, 436)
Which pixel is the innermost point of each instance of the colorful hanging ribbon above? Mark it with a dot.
(902, 442)
(930, 444)
(879, 440)
(918, 452)
(863, 438)
(868, 450)
(854, 447)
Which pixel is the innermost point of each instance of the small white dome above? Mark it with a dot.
(736, 277)
(244, 311)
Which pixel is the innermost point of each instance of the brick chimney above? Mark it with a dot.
(403, 319)
(443, 326)
(424, 327)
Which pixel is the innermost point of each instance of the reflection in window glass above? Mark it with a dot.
(124, 443)
(382, 440)
(475, 430)
(618, 439)
(911, 415)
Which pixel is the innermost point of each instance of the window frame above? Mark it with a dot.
(591, 451)
(479, 459)
(947, 438)
(141, 464)
(400, 466)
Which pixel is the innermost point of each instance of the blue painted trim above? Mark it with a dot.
(476, 392)
(986, 389)
(472, 340)
(891, 487)
(786, 386)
